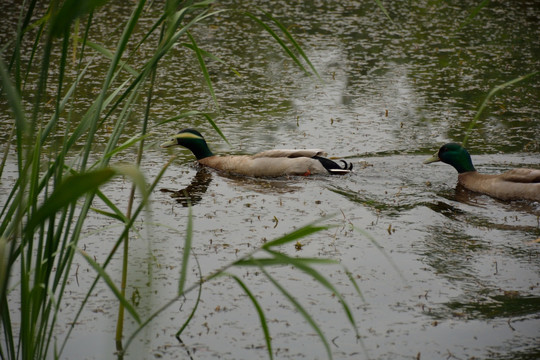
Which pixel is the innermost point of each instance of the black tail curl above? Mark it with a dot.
(346, 165)
(333, 167)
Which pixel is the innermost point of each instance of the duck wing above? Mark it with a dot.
(522, 175)
(290, 153)
(313, 160)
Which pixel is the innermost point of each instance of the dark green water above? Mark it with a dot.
(452, 274)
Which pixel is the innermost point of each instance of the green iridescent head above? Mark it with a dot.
(455, 155)
(192, 140)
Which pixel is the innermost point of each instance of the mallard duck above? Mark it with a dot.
(271, 163)
(512, 185)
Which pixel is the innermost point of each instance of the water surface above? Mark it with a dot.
(444, 273)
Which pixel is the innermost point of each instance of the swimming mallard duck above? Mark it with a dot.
(512, 185)
(271, 163)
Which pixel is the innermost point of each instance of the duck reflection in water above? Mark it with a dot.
(193, 193)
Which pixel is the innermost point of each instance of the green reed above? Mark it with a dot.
(60, 168)
(486, 100)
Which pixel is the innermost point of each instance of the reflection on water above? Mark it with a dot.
(509, 304)
(268, 185)
(193, 193)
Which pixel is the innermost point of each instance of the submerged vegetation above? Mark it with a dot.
(61, 170)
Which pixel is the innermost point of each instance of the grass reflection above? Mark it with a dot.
(510, 304)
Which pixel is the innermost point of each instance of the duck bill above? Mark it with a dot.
(432, 159)
(168, 143)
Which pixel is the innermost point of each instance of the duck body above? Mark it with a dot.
(515, 184)
(271, 163)
(512, 185)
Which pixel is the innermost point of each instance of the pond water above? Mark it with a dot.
(444, 273)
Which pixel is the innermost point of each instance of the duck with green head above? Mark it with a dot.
(271, 163)
(514, 184)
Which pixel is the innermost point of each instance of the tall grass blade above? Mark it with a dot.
(67, 192)
(127, 144)
(295, 235)
(142, 185)
(213, 57)
(193, 113)
(186, 252)
(136, 177)
(301, 310)
(116, 211)
(197, 301)
(70, 10)
(260, 312)
(297, 47)
(180, 116)
(121, 47)
(204, 70)
(3, 267)
(111, 215)
(383, 9)
(110, 283)
(9, 337)
(355, 284)
(110, 55)
(279, 41)
(6, 153)
(15, 104)
(473, 14)
(320, 279)
(381, 249)
(492, 93)
(214, 125)
(127, 228)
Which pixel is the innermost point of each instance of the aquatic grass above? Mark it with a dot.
(213, 57)
(269, 258)
(280, 259)
(204, 70)
(282, 43)
(298, 306)
(61, 171)
(383, 9)
(260, 313)
(186, 253)
(382, 251)
(131, 199)
(473, 14)
(128, 226)
(67, 192)
(41, 291)
(194, 113)
(291, 39)
(488, 97)
(119, 294)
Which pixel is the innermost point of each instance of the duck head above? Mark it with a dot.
(455, 155)
(192, 140)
